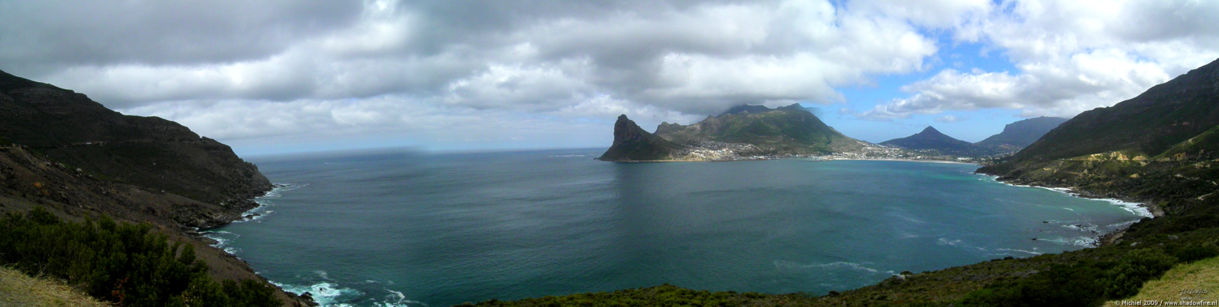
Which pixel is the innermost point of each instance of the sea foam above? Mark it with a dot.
(1132, 207)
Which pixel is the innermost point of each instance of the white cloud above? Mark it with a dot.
(383, 65)
(1071, 56)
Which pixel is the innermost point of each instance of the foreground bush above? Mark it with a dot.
(123, 263)
(1089, 283)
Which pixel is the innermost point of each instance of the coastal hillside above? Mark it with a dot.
(738, 133)
(64, 153)
(1164, 137)
(1015, 136)
(1148, 124)
(933, 140)
(69, 128)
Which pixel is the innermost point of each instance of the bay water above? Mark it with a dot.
(409, 228)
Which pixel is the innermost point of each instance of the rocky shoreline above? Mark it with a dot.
(1105, 238)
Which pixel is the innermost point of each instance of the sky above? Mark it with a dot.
(270, 77)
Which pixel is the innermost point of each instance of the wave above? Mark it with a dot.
(1089, 228)
(1033, 252)
(1134, 208)
(396, 299)
(323, 293)
(945, 241)
(222, 238)
(831, 265)
(331, 293)
(264, 202)
(1082, 241)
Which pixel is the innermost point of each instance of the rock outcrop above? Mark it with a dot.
(632, 143)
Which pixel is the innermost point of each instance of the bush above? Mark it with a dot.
(1084, 283)
(1137, 267)
(123, 263)
(1194, 252)
(1061, 285)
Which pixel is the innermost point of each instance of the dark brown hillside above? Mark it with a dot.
(67, 127)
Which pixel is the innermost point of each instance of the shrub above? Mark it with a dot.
(127, 264)
(1137, 267)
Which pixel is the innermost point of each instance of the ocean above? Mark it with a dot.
(403, 228)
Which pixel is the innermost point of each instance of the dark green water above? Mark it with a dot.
(407, 228)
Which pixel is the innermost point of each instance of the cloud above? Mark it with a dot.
(695, 58)
(1071, 57)
(948, 119)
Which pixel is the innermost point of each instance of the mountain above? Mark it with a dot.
(632, 143)
(1017, 135)
(738, 133)
(71, 156)
(932, 139)
(1158, 145)
(1147, 124)
(68, 127)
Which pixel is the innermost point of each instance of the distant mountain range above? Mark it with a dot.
(740, 132)
(750, 131)
(1014, 137)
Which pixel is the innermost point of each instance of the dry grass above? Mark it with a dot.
(19, 289)
(1197, 281)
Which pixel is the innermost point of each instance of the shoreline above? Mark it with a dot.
(212, 238)
(1109, 238)
(796, 157)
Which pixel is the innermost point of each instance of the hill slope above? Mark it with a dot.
(146, 151)
(73, 157)
(18, 289)
(1020, 134)
(932, 139)
(1147, 124)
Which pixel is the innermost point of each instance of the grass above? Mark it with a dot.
(18, 289)
(1197, 281)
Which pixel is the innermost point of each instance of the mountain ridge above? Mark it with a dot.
(741, 132)
(70, 128)
(1017, 135)
(67, 154)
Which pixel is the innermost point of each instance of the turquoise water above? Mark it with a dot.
(410, 229)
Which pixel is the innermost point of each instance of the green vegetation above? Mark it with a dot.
(19, 289)
(786, 130)
(1188, 282)
(127, 264)
(1086, 283)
